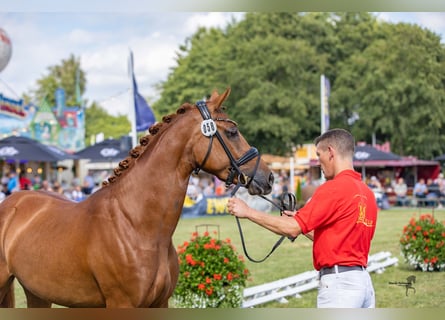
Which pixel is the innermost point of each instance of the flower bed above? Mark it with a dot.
(423, 243)
(211, 274)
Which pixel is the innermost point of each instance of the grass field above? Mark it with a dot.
(293, 258)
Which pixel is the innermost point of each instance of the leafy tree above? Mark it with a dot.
(396, 86)
(61, 76)
(391, 75)
(98, 120)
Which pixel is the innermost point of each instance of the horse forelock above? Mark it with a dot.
(145, 142)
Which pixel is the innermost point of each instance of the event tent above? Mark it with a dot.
(108, 150)
(19, 148)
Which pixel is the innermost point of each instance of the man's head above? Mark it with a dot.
(335, 150)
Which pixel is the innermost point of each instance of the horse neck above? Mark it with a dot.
(154, 188)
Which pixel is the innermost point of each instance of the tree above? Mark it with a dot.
(396, 86)
(391, 75)
(98, 120)
(61, 76)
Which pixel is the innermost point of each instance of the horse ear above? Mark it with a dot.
(219, 99)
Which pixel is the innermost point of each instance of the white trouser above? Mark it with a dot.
(350, 289)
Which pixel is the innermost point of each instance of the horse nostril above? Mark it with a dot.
(271, 178)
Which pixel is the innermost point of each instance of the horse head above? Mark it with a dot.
(244, 165)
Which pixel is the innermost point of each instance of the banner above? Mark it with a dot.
(207, 206)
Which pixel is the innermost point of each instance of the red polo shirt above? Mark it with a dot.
(343, 214)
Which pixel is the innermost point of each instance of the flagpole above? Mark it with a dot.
(322, 106)
(322, 115)
(132, 111)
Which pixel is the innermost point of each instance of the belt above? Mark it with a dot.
(340, 269)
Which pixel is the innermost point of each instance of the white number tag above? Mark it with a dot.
(208, 127)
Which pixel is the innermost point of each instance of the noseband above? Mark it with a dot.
(209, 129)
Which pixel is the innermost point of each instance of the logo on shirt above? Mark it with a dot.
(362, 212)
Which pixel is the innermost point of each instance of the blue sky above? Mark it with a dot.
(102, 40)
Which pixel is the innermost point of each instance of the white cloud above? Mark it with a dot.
(434, 21)
(210, 19)
(102, 41)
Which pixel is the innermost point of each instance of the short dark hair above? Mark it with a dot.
(341, 139)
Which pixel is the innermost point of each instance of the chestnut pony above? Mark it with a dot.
(115, 248)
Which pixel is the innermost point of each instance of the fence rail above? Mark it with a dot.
(292, 286)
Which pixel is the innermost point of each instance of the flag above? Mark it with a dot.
(143, 113)
(325, 93)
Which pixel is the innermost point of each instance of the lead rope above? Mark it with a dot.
(291, 205)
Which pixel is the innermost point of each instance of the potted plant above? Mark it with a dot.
(211, 274)
(423, 243)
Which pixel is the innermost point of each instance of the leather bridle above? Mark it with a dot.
(209, 129)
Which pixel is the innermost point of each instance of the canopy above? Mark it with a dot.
(369, 158)
(440, 158)
(25, 149)
(369, 153)
(107, 150)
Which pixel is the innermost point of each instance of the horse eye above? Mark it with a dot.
(232, 132)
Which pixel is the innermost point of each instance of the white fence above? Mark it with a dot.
(292, 286)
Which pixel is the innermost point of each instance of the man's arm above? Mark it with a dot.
(283, 225)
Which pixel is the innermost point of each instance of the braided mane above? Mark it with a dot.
(144, 143)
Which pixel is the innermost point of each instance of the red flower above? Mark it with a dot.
(189, 259)
(201, 286)
(217, 276)
(230, 276)
(209, 291)
(226, 260)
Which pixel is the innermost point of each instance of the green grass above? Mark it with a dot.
(293, 258)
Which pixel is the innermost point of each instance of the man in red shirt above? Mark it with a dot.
(340, 218)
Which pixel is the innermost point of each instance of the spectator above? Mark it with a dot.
(13, 183)
(88, 184)
(2, 193)
(441, 183)
(57, 187)
(401, 189)
(209, 189)
(379, 193)
(37, 182)
(433, 192)
(420, 191)
(25, 183)
(77, 194)
(46, 186)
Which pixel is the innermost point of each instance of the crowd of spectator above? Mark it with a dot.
(77, 190)
(425, 192)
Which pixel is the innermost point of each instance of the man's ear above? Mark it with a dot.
(331, 151)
